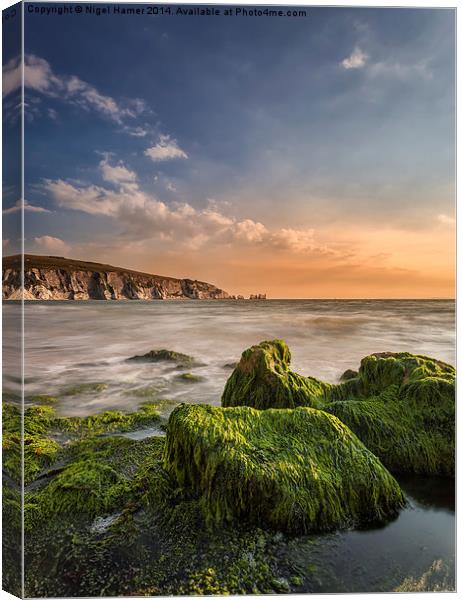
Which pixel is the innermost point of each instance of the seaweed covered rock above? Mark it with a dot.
(348, 374)
(263, 379)
(295, 469)
(40, 449)
(155, 356)
(402, 406)
(43, 427)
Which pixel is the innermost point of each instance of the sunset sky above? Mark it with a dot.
(304, 157)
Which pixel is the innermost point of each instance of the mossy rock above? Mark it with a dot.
(155, 356)
(348, 374)
(41, 424)
(85, 388)
(39, 449)
(263, 379)
(401, 405)
(112, 421)
(42, 399)
(98, 475)
(189, 378)
(297, 469)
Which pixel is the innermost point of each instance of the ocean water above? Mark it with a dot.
(71, 346)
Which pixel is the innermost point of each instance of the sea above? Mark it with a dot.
(70, 344)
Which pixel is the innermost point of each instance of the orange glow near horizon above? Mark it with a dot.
(347, 263)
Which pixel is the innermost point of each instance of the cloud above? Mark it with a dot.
(295, 239)
(51, 244)
(11, 81)
(356, 60)
(397, 70)
(446, 220)
(142, 216)
(165, 149)
(18, 206)
(39, 77)
(251, 231)
(118, 174)
(136, 131)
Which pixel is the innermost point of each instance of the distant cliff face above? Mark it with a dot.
(57, 278)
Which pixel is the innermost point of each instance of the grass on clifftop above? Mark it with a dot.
(298, 470)
(401, 405)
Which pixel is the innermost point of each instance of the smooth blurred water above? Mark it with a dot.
(72, 343)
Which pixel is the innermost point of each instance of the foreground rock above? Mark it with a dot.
(401, 405)
(263, 379)
(297, 470)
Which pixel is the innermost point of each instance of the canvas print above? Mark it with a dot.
(228, 299)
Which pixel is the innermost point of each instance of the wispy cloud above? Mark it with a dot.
(386, 66)
(29, 207)
(40, 77)
(446, 219)
(400, 70)
(169, 186)
(141, 131)
(165, 149)
(356, 60)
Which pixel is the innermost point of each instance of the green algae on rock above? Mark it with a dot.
(348, 374)
(263, 379)
(295, 469)
(40, 450)
(400, 405)
(112, 421)
(97, 476)
(41, 426)
(181, 360)
(189, 378)
(85, 388)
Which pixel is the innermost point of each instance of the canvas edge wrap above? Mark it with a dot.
(13, 228)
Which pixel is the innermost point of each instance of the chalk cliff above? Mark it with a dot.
(59, 278)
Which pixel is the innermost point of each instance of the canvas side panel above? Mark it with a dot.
(12, 301)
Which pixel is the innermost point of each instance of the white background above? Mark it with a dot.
(423, 3)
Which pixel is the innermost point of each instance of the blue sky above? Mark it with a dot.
(247, 150)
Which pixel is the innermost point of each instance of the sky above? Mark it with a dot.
(304, 157)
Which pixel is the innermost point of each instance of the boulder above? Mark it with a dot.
(297, 469)
(263, 379)
(181, 360)
(401, 405)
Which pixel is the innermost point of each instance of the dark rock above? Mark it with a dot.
(348, 374)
